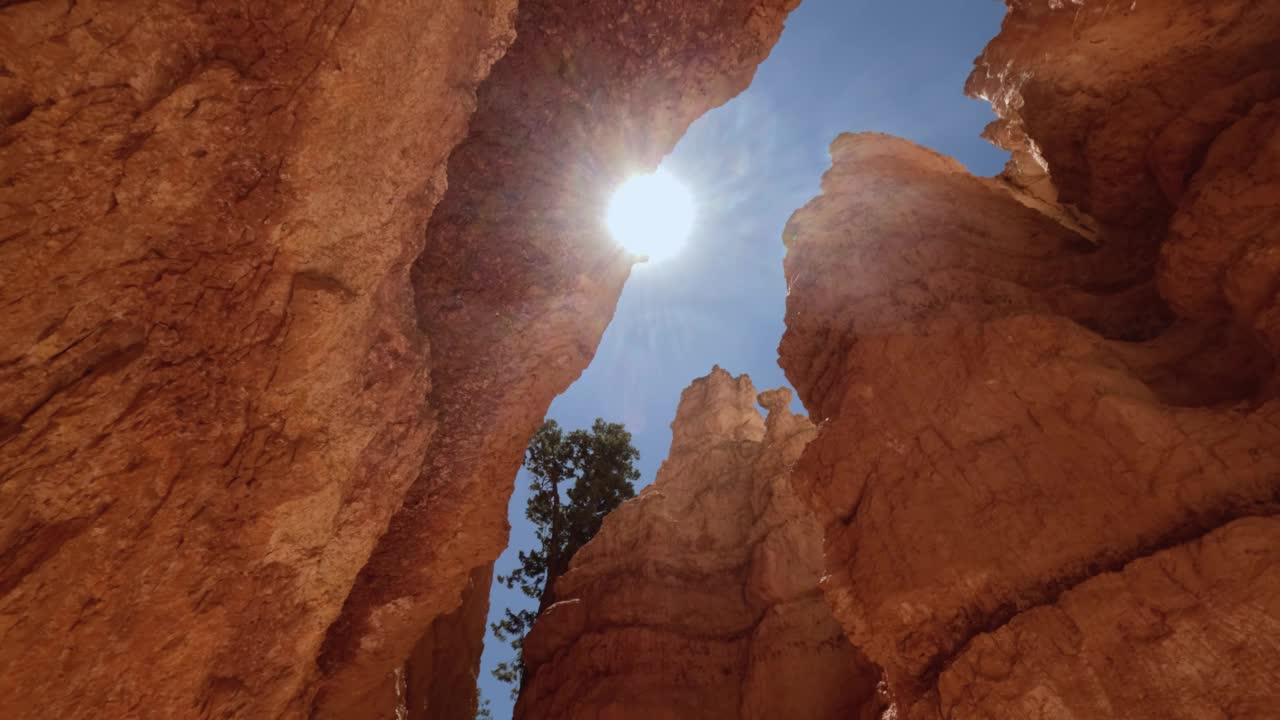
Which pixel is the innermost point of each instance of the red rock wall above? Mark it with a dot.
(519, 280)
(438, 679)
(440, 674)
(1049, 468)
(210, 379)
(256, 433)
(699, 599)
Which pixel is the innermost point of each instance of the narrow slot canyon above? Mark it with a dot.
(292, 289)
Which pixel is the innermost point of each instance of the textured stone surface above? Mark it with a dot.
(258, 420)
(1041, 392)
(438, 679)
(519, 279)
(698, 599)
(210, 379)
(1121, 100)
(1222, 259)
(440, 674)
(1187, 634)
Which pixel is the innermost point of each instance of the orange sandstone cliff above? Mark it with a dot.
(288, 285)
(518, 279)
(699, 598)
(286, 288)
(1048, 462)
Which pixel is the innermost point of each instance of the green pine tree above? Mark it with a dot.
(578, 478)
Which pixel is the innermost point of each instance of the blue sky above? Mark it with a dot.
(841, 65)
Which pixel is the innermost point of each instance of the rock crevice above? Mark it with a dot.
(286, 288)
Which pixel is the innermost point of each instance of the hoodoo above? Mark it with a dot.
(286, 288)
(699, 598)
(1049, 464)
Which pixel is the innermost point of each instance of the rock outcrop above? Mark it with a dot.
(438, 679)
(1048, 469)
(699, 598)
(518, 279)
(259, 417)
(211, 385)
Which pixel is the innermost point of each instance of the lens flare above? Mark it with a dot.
(651, 215)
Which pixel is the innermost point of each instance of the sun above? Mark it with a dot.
(651, 215)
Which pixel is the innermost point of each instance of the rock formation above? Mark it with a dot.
(1048, 469)
(699, 598)
(212, 385)
(247, 457)
(518, 279)
(438, 679)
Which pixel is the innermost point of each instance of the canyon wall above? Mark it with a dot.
(699, 598)
(438, 679)
(211, 387)
(519, 279)
(1048, 471)
(272, 347)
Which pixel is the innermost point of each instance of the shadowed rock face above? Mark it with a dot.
(1049, 465)
(699, 598)
(260, 408)
(438, 679)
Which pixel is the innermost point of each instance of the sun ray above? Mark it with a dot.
(652, 215)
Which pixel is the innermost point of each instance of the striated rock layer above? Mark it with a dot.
(1048, 470)
(258, 418)
(699, 598)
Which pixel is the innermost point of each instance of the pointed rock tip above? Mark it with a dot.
(717, 404)
(775, 400)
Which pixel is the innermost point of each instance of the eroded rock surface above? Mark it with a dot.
(1187, 633)
(519, 279)
(258, 421)
(211, 383)
(439, 677)
(1049, 463)
(699, 598)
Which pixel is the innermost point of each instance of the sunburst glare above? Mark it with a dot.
(651, 215)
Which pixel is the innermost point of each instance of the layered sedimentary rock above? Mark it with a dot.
(1048, 470)
(699, 598)
(248, 453)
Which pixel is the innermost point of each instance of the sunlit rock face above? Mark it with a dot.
(211, 381)
(519, 278)
(1049, 462)
(699, 598)
(260, 409)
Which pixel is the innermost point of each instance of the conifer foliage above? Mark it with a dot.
(577, 479)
